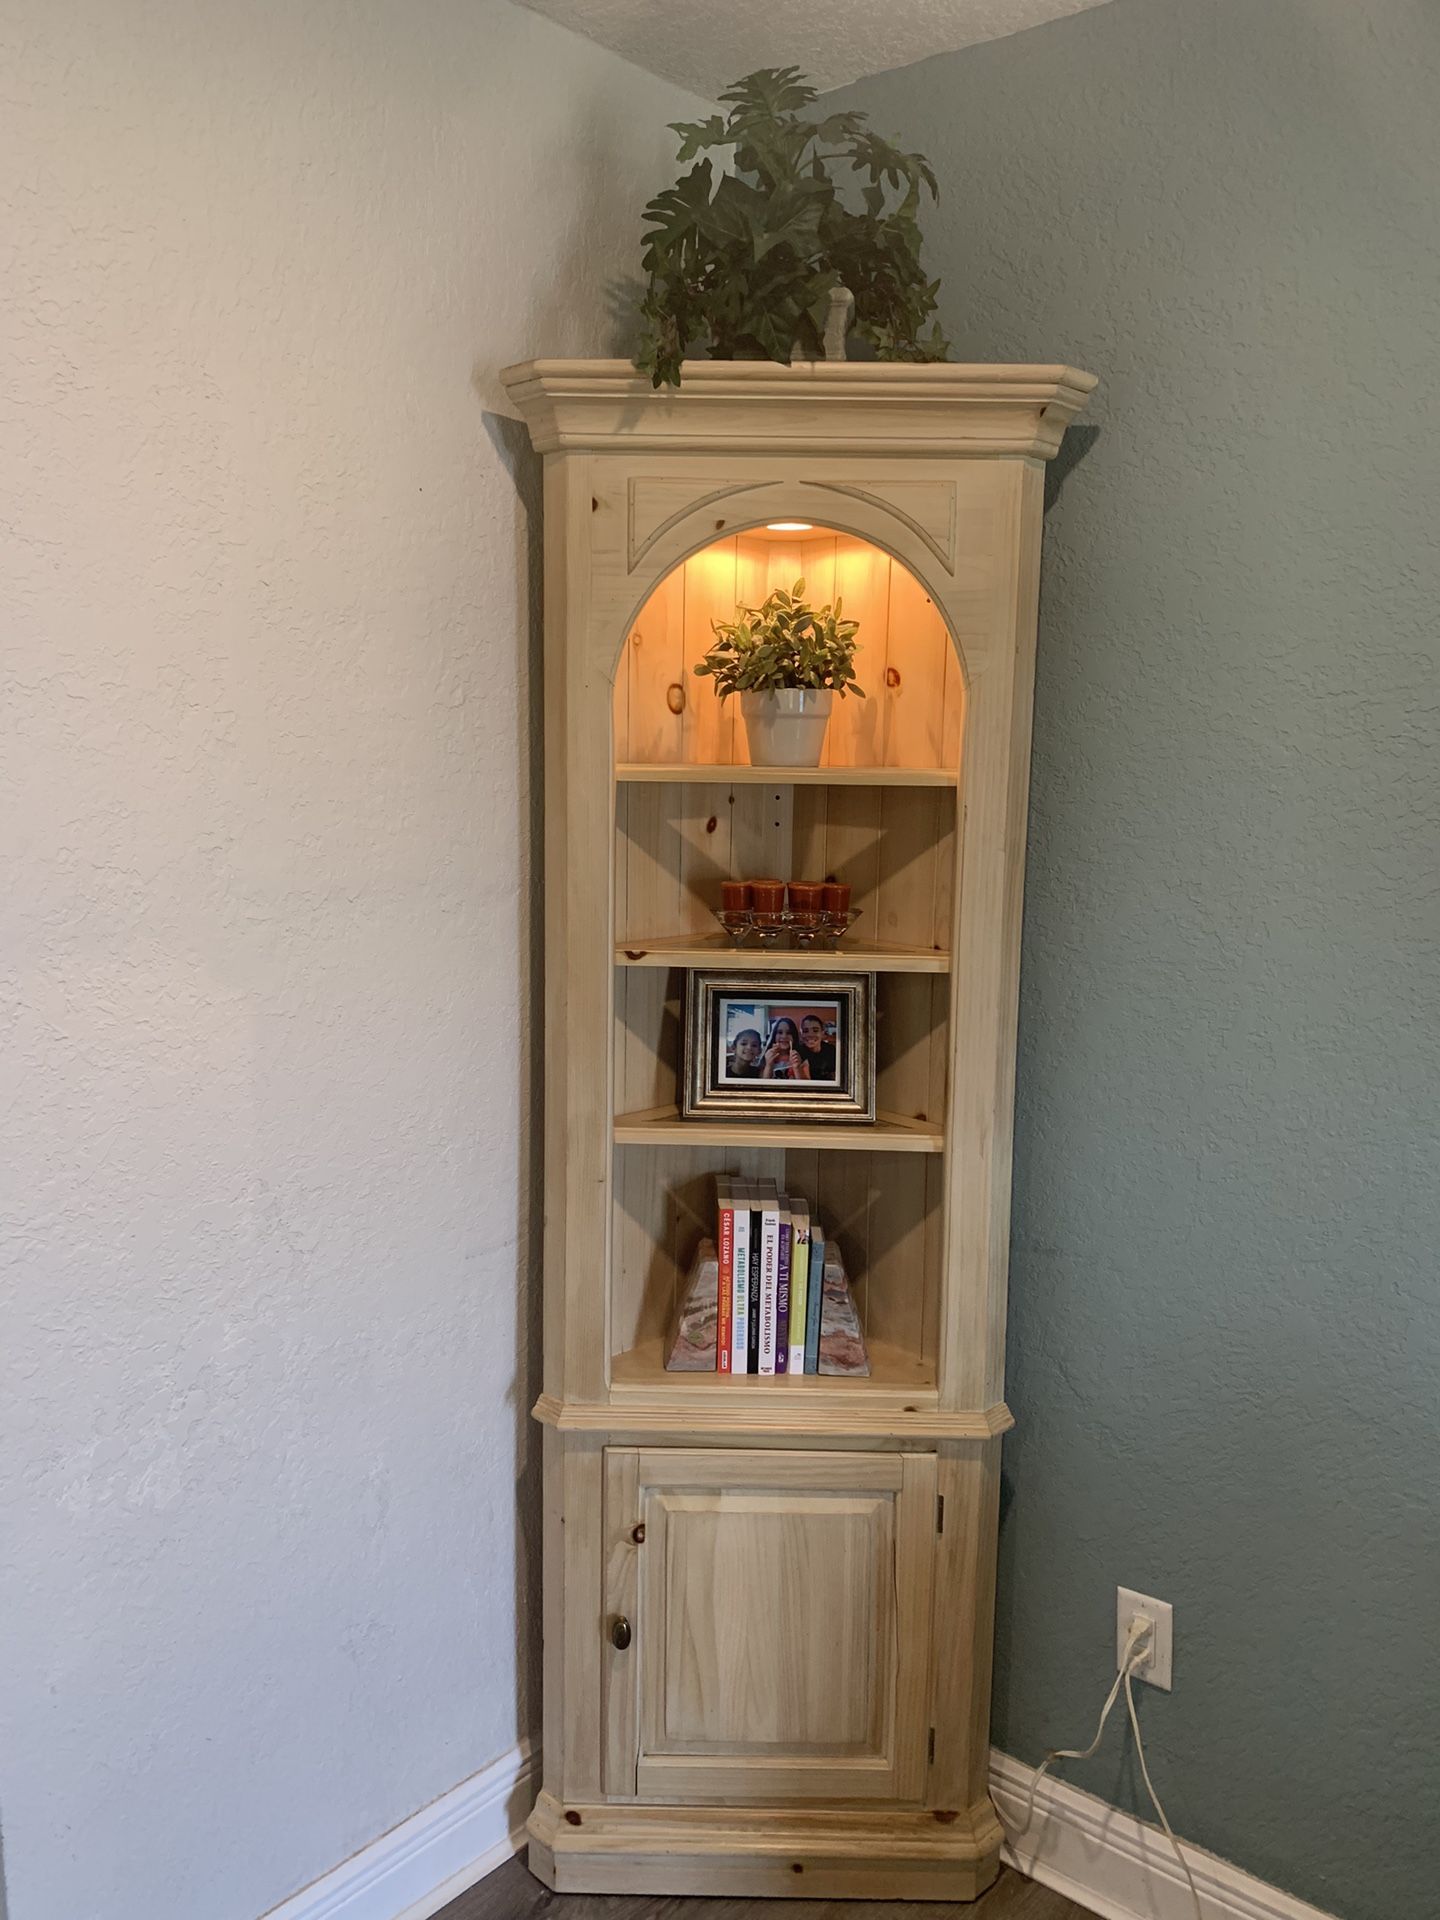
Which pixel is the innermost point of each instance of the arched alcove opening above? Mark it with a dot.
(879, 816)
(911, 716)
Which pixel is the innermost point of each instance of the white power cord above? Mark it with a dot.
(1135, 1654)
(1147, 1627)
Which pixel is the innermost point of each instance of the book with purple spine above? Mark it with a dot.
(782, 1288)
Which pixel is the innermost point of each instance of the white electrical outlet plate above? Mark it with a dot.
(1156, 1670)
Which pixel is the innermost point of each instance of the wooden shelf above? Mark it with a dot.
(641, 1408)
(703, 950)
(898, 1398)
(642, 1371)
(890, 1133)
(694, 774)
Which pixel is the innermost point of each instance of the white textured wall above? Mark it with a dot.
(267, 906)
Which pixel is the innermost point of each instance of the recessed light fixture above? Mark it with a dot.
(789, 526)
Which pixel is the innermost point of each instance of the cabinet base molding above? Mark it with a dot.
(764, 1852)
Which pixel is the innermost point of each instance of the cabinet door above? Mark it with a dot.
(778, 1608)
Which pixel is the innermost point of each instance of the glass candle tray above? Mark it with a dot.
(805, 932)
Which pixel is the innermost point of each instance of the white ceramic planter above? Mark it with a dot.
(786, 728)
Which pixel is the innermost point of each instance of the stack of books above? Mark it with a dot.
(771, 1280)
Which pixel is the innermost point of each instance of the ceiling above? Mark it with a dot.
(703, 44)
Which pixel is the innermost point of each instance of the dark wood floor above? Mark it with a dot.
(511, 1893)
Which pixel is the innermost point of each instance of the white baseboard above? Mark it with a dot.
(1119, 1867)
(417, 1868)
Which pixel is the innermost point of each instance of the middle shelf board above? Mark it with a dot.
(890, 1133)
(706, 950)
(693, 773)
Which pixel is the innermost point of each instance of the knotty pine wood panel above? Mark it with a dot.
(664, 1205)
(675, 842)
(648, 1014)
(819, 568)
(712, 586)
(655, 665)
(916, 644)
(739, 1692)
(911, 1044)
(728, 1716)
(916, 881)
(883, 1215)
(881, 1209)
(894, 846)
(620, 1732)
(665, 714)
(911, 1039)
(855, 736)
(836, 836)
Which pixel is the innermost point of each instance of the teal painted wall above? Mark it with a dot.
(1225, 1314)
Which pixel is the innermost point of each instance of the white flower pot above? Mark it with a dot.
(786, 727)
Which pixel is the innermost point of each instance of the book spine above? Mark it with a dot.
(812, 1303)
(782, 1291)
(769, 1275)
(725, 1280)
(740, 1289)
(799, 1290)
(753, 1302)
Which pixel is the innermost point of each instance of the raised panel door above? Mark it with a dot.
(778, 1606)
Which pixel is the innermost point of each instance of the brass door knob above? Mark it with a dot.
(620, 1633)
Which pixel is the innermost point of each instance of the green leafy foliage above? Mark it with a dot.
(784, 643)
(748, 260)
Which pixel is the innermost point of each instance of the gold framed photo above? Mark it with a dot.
(779, 1046)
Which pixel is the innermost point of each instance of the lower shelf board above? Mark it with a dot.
(893, 1371)
(897, 1401)
(888, 1133)
(866, 1419)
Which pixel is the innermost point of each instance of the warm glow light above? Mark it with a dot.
(789, 526)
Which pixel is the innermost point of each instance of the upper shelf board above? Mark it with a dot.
(695, 774)
(705, 950)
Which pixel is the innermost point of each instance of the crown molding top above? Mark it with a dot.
(829, 406)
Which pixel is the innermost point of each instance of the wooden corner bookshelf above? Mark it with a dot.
(768, 1602)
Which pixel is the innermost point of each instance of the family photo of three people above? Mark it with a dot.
(767, 1042)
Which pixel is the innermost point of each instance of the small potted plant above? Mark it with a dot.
(787, 662)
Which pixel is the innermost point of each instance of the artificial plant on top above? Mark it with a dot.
(747, 259)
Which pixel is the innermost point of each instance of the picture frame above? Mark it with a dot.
(779, 1046)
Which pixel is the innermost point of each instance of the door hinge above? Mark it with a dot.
(930, 1748)
(939, 1513)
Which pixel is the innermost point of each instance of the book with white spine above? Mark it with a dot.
(769, 1273)
(740, 1284)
